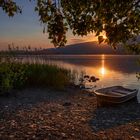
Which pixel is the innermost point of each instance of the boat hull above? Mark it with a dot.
(104, 99)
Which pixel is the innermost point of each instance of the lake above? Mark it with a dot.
(110, 69)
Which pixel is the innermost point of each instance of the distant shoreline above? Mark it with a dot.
(70, 54)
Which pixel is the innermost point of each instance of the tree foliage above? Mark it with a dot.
(10, 7)
(119, 19)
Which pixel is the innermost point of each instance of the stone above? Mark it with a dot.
(67, 104)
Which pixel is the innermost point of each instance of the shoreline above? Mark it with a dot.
(70, 114)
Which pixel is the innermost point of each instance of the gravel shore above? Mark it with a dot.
(72, 114)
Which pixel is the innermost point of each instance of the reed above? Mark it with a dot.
(16, 75)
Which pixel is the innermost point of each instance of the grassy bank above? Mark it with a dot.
(16, 75)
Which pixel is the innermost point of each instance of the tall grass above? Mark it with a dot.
(47, 75)
(16, 75)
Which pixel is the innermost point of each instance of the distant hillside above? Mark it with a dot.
(85, 48)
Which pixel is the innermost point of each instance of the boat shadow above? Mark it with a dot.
(112, 116)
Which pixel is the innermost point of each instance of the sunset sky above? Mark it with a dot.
(26, 29)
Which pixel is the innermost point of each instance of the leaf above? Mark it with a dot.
(100, 39)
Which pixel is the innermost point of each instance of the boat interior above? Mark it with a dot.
(116, 91)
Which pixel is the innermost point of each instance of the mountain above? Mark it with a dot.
(85, 48)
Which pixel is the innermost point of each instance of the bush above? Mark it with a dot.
(15, 75)
(12, 76)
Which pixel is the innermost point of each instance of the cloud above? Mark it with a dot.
(76, 40)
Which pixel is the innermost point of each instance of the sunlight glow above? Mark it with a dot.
(103, 57)
(92, 37)
(103, 71)
(104, 37)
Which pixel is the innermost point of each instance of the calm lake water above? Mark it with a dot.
(110, 69)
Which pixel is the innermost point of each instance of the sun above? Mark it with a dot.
(93, 37)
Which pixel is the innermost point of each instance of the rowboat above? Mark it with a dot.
(114, 95)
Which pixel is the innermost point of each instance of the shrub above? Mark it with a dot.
(12, 76)
(15, 75)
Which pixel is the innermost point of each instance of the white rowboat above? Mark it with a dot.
(114, 95)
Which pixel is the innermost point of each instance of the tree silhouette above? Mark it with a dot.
(119, 19)
(10, 7)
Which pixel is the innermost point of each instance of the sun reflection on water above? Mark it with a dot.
(103, 70)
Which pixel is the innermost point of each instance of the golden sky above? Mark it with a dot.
(25, 29)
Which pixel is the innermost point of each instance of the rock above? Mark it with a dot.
(63, 134)
(11, 136)
(33, 126)
(86, 76)
(136, 129)
(97, 79)
(67, 104)
(79, 105)
(83, 119)
(91, 94)
(49, 111)
(134, 138)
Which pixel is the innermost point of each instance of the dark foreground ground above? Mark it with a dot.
(69, 115)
